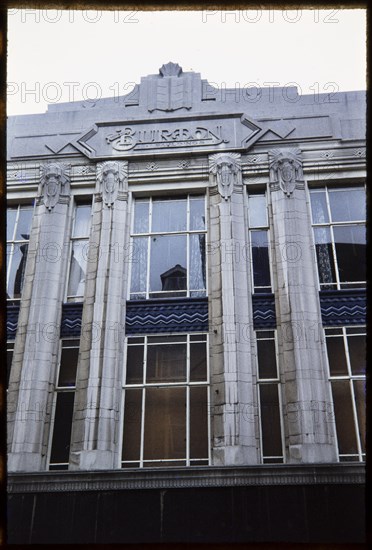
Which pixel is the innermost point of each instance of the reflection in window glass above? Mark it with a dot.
(350, 245)
(344, 416)
(78, 268)
(257, 211)
(168, 216)
(324, 256)
(168, 263)
(260, 259)
(347, 205)
(197, 214)
(166, 363)
(23, 228)
(62, 428)
(319, 207)
(18, 234)
(82, 221)
(141, 216)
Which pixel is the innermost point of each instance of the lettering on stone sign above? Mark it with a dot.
(129, 138)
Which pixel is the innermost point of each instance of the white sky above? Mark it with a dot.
(64, 55)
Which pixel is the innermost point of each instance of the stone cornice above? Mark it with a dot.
(162, 478)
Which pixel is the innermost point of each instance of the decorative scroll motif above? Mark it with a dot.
(226, 169)
(286, 171)
(55, 181)
(12, 313)
(343, 307)
(172, 315)
(112, 177)
(264, 315)
(71, 320)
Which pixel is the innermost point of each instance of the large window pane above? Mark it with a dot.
(168, 263)
(139, 264)
(82, 221)
(260, 258)
(347, 204)
(324, 256)
(141, 217)
(270, 420)
(132, 425)
(134, 364)
(360, 400)
(319, 207)
(342, 403)
(197, 262)
(169, 215)
(17, 260)
(24, 224)
(198, 362)
(197, 213)
(350, 251)
(336, 356)
(266, 359)
(198, 423)
(165, 423)
(62, 427)
(10, 223)
(68, 366)
(257, 211)
(357, 353)
(78, 268)
(166, 363)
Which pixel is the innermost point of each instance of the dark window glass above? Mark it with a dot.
(357, 353)
(165, 423)
(9, 359)
(350, 251)
(198, 362)
(24, 224)
(62, 427)
(342, 403)
(17, 259)
(260, 258)
(68, 366)
(134, 364)
(336, 356)
(347, 204)
(166, 363)
(360, 400)
(270, 420)
(198, 423)
(132, 425)
(266, 359)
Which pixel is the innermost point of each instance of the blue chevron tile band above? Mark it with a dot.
(264, 315)
(71, 320)
(172, 315)
(343, 307)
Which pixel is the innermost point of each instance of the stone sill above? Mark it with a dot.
(193, 476)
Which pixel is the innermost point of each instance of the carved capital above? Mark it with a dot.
(286, 170)
(54, 183)
(112, 179)
(225, 171)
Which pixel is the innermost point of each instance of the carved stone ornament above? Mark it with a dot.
(170, 69)
(111, 176)
(286, 171)
(170, 90)
(225, 167)
(54, 182)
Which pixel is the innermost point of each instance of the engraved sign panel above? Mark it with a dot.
(138, 138)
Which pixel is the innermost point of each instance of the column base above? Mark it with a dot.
(93, 460)
(311, 453)
(234, 455)
(25, 462)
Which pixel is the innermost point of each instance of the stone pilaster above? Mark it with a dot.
(33, 375)
(234, 422)
(308, 418)
(94, 443)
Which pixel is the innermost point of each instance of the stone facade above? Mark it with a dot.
(175, 135)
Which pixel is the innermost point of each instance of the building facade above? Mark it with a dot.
(186, 290)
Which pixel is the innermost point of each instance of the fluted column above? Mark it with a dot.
(94, 443)
(233, 403)
(33, 375)
(309, 425)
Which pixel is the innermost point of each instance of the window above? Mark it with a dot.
(63, 405)
(259, 242)
(346, 349)
(269, 398)
(17, 235)
(168, 240)
(338, 216)
(79, 252)
(9, 359)
(166, 401)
